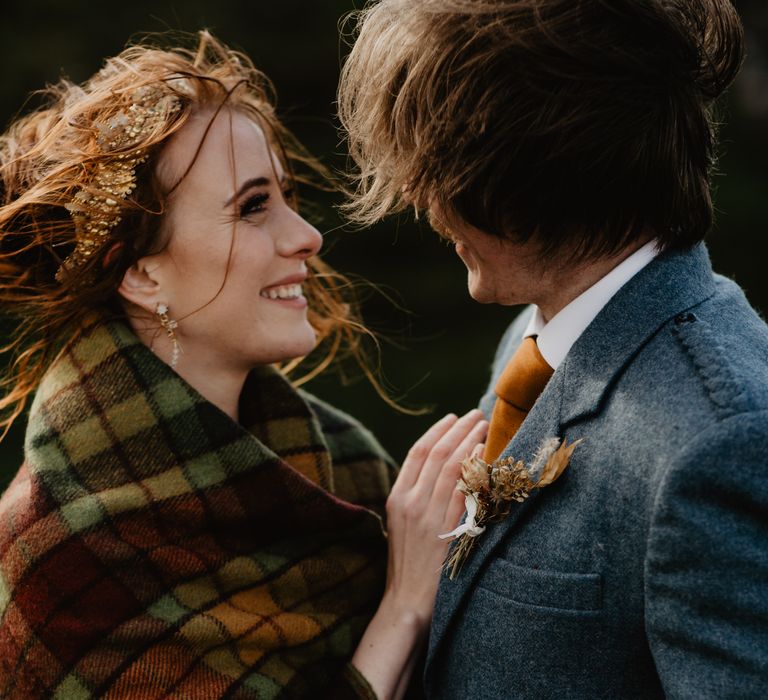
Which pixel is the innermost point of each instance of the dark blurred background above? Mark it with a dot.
(440, 342)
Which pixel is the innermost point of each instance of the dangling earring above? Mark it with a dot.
(169, 326)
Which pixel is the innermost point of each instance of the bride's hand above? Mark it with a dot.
(423, 504)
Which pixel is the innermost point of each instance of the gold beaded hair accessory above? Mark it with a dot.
(96, 210)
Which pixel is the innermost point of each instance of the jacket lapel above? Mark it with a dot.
(669, 285)
(542, 422)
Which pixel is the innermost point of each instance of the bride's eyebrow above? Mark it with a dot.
(247, 185)
(253, 182)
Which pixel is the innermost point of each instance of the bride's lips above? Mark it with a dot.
(286, 292)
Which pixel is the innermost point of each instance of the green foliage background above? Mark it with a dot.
(441, 343)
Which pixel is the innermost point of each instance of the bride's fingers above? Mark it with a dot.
(456, 505)
(453, 512)
(444, 450)
(420, 451)
(469, 446)
(446, 481)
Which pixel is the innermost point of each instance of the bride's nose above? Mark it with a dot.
(299, 238)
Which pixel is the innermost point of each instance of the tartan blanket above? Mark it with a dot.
(151, 547)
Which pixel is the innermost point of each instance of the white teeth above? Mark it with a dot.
(289, 291)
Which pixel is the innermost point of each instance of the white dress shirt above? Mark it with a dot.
(556, 337)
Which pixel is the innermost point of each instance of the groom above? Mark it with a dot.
(565, 147)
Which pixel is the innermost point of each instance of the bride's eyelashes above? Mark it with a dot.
(257, 203)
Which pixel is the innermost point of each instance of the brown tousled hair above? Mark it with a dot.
(580, 124)
(52, 153)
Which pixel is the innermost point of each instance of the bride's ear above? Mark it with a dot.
(141, 284)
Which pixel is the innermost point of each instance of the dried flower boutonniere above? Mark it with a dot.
(490, 489)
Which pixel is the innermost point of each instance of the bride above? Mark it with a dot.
(186, 521)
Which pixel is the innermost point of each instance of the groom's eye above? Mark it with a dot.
(443, 231)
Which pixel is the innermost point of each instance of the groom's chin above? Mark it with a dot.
(479, 294)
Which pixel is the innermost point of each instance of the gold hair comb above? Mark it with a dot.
(97, 209)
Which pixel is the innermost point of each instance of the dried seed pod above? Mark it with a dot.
(475, 474)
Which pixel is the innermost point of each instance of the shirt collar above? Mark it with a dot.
(556, 337)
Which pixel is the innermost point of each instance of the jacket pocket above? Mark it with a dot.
(556, 590)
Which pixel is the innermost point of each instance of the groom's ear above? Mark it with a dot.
(142, 283)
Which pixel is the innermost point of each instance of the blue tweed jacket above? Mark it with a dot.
(642, 572)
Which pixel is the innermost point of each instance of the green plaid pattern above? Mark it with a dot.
(151, 547)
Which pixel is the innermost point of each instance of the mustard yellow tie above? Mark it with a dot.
(520, 384)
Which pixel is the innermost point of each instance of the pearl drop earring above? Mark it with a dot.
(170, 326)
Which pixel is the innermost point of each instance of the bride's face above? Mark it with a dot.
(236, 255)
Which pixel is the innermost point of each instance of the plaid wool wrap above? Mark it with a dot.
(151, 547)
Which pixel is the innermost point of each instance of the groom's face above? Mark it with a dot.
(499, 271)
